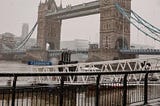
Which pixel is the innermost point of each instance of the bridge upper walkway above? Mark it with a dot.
(76, 11)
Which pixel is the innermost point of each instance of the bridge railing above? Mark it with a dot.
(104, 66)
(124, 91)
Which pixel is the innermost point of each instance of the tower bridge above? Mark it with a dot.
(113, 28)
(115, 20)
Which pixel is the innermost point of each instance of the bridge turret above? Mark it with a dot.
(52, 6)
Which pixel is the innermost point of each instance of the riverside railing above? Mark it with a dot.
(119, 93)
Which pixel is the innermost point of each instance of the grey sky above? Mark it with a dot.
(16, 12)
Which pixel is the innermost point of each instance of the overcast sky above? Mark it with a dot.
(15, 12)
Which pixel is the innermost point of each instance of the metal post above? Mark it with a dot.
(125, 90)
(97, 91)
(14, 90)
(61, 91)
(146, 89)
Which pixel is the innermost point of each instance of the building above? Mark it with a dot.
(10, 41)
(31, 42)
(0, 42)
(76, 44)
(25, 30)
(7, 40)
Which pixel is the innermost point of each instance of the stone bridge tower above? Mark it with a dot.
(48, 32)
(48, 27)
(114, 31)
(114, 28)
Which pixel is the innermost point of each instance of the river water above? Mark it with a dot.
(13, 67)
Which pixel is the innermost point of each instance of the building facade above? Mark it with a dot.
(8, 40)
(25, 30)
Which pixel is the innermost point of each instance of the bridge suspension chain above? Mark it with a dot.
(157, 30)
(147, 25)
(153, 33)
(24, 41)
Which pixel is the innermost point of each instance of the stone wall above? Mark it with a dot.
(103, 54)
(36, 55)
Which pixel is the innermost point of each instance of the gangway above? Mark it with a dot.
(103, 66)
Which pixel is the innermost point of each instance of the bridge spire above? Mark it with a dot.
(53, 3)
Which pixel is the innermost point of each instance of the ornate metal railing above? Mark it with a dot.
(121, 92)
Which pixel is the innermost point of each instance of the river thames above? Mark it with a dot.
(13, 67)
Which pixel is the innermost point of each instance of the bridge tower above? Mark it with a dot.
(48, 27)
(48, 32)
(114, 28)
(114, 31)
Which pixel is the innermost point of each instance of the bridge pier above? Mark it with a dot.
(103, 54)
(11, 57)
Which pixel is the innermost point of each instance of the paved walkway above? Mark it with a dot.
(155, 102)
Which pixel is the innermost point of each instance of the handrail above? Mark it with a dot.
(75, 73)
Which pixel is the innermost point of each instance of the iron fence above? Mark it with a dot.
(122, 92)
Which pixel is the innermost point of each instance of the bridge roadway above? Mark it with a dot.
(12, 51)
(53, 53)
(85, 51)
(141, 51)
(76, 11)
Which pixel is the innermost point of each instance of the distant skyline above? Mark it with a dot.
(16, 12)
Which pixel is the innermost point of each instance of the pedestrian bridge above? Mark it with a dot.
(104, 66)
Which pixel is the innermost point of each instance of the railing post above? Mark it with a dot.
(97, 91)
(125, 90)
(146, 89)
(14, 90)
(61, 91)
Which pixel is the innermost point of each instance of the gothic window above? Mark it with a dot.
(106, 45)
(107, 41)
(106, 1)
